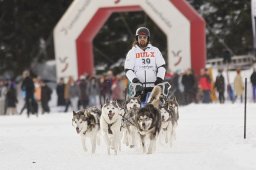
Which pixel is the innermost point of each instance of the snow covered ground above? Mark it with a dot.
(209, 137)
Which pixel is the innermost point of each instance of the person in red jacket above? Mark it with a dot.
(204, 84)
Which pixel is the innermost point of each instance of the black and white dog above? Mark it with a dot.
(169, 115)
(174, 105)
(86, 123)
(167, 125)
(110, 122)
(148, 121)
(129, 128)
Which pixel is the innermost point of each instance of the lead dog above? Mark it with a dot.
(86, 123)
(148, 121)
(110, 122)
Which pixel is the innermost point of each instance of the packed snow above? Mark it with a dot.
(209, 137)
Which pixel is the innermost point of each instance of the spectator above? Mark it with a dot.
(213, 95)
(253, 81)
(83, 93)
(93, 91)
(60, 92)
(220, 86)
(37, 93)
(176, 87)
(168, 75)
(189, 82)
(71, 94)
(102, 92)
(124, 86)
(3, 91)
(11, 99)
(29, 89)
(46, 93)
(205, 85)
(117, 93)
(105, 87)
(238, 85)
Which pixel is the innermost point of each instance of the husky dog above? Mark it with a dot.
(110, 122)
(168, 123)
(133, 102)
(86, 122)
(148, 121)
(173, 104)
(170, 116)
(128, 121)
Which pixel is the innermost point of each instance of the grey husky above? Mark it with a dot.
(129, 128)
(86, 123)
(148, 121)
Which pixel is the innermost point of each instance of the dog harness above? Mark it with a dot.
(109, 128)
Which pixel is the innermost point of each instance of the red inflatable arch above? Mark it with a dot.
(195, 51)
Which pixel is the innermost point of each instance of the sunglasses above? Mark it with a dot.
(142, 37)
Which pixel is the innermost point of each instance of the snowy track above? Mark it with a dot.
(209, 137)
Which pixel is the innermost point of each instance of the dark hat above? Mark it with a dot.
(143, 31)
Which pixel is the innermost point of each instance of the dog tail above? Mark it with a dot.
(154, 97)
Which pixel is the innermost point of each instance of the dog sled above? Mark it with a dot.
(135, 88)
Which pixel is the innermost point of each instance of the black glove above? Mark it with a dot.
(158, 80)
(135, 80)
(139, 90)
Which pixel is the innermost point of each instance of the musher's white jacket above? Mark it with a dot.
(140, 64)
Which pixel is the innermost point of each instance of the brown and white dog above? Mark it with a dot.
(86, 123)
